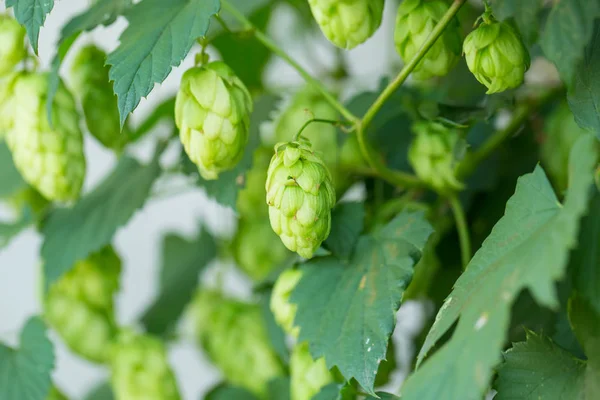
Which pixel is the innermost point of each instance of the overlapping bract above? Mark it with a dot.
(496, 55)
(12, 44)
(234, 336)
(415, 21)
(347, 23)
(308, 376)
(212, 112)
(50, 158)
(284, 311)
(80, 306)
(300, 195)
(140, 369)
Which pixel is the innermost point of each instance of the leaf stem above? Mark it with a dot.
(462, 228)
(271, 45)
(320, 120)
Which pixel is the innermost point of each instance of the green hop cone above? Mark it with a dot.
(91, 84)
(347, 23)
(561, 134)
(212, 112)
(284, 311)
(415, 21)
(7, 111)
(12, 44)
(80, 305)
(300, 196)
(251, 199)
(140, 369)
(433, 155)
(234, 336)
(308, 376)
(50, 158)
(496, 55)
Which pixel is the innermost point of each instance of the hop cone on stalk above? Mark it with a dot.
(284, 311)
(12, 44)
(80, 305)
(347, 23)
(212, 112)
(308, 376)
(300, 196)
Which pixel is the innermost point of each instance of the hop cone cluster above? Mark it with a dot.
(140, 369)
(433, 154)
(12, 44)
(561, 134)
(496, 55)
(91, 84)
(308, 376)
(212, 112)
(234, 336)
(415, 21)
(50, 158)
(300, 196)
(347, 23)
(284, 311)
(80, 305)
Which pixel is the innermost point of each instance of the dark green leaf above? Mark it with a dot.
(586, 324)
(101, 392)
(524, 12)
(10, 230)
(10, 179)
(159, 36)
(25, 372)
(182, 261)
(32, 15)
(274, 331)
(385, 396)
(71, 234)
(347, 222)
(245, 7)
(353, 305)
(279, 388)
(568, 30)
(528, 248)
(226, 392)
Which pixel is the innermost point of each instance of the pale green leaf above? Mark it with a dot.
(71, 234)
(32, 15)
(159, 36)
(9, 230)
(182, 261)
(527, 249)
(352, 305)
(347, 222)
(25, 372)
(10, 179)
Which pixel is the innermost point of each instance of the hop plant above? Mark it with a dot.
(140, 370)
(433, 155)
(300, 196)
(308, 376)
(415, 21)
(7, 92)
(496, 55)
(50, 158)
(347, 23)
(284, 311)
(234, 336)
(91, 84)
(12, 44)
(80, 305)
(251, 199)
(212, 112)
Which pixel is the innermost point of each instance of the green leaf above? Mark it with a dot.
(159, 36)
(10, 230)
(101, 392)
(25, 372)
(539, 369)
(527, 249)
(329, 392)
(10, 179)
(584, 95)
(568, 30)
(279, 388)
(385, 396)
(525, 14)
(347, 222)
(71, 234)
(245, 7)
(585, 321)
(352, 305)
(182, 261)
(226, 392)
(274, 331)
(32, 15)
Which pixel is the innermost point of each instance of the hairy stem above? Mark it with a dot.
(462, 228)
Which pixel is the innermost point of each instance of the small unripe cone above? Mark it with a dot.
(7, 110)
(12, 44)
(212, 112)
(91, 84)
(80, 305)
(284, 311)
(50, 158)
(432, 155)
(308, 376)
(251, 199)
(496, 55)
(347, 23)
(300, 196)
(140, 369)
(415, 21)
(234, 336)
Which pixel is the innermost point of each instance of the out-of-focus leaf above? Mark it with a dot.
(524, 12)
(10, 179)
(101, 392)
(226, 392)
